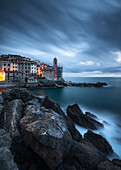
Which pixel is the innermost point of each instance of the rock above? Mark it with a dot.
(107, 165)
(99, 142)
(106, 123)
(25, 157)
(119, 125)
(47, 135)
(1, 109)
(11, 115)
(76, 114)
(72, 129)
(50, 104)
(5, 139)
(91, 115)
(116, 162)
(1, 99)
(6, 160)
(82, 156)
(18, 93)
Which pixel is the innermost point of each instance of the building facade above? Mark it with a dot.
(52, 72)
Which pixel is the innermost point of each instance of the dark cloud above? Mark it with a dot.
(83, 35)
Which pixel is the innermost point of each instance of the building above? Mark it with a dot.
(52, 72)
(14, 77)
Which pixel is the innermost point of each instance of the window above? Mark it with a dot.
(4, 64)
(8, 64)
(13, 66)
(8, 69)
(4, 69)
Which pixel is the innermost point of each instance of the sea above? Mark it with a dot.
(104, 102)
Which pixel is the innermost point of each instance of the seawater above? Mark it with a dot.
(104, 102)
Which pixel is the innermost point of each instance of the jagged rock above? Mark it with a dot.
(82, 156)
(50, 104)
(91, 115)
(1, 108)
(117, 162)
(47, 135)
(107, 165)
(17, 93)
(5, 139)
(1, 99)
(99, 142)
(6, 160)
(72, 129)
(76, 114)
(11, 115)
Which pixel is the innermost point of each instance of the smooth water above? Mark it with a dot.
(104, 102)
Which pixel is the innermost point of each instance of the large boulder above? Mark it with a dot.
(83, 156)
(46, 133)
(107, 165)
(11, 115)
(17, 93)
(5, 139)
(6, 160)
(99, 142)
(76, 114)
(35, 107)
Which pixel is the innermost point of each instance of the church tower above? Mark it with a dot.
(55, 68)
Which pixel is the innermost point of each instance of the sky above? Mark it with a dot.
(84, 35)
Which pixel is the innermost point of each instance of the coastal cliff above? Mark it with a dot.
(36, 134)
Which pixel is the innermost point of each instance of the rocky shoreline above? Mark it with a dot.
(36, 134)
(52, 84)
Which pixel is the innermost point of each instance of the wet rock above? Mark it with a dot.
(18, 93)
(1, 109)
(82, 156)
(76, 114)
(47, 135)
(50, 104)
(6, 160)
(5, 139)
(107, 165)
(72, 129)
(91, 115)
(11, 115)
(117, 162)
(99, 142)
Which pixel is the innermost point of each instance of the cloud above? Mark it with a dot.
(76, 32)
(87, 63)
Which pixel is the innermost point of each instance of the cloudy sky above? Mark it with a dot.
(85, 35)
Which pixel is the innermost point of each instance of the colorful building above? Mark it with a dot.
(52, 72)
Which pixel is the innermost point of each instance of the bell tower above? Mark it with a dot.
(55, 68)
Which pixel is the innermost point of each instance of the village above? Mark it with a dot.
(15, 69)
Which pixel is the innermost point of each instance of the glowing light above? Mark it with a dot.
(2, 76)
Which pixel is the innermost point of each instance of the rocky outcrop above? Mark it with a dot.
(50, 104)
(17, 93)
(107, 166)
(6, 160)
(11, 116)
(5, 139)
(99, 142)
(47, 135)
(76, 114)
(83, 156)
(91, 115)
(43, 137)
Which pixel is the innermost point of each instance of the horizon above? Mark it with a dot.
(85, 37)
